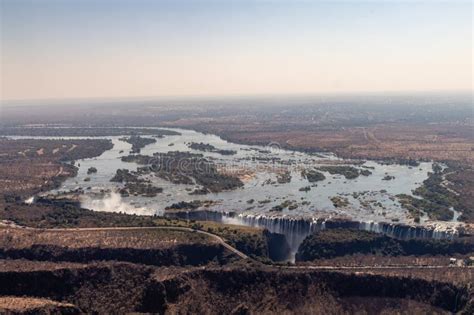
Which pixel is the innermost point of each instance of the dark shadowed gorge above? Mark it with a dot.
(236, 157)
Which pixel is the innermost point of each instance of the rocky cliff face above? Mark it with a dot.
(332, 243)
(102, 288)
(276, 244)
(259, 291)
(20, 305)
(295, 230)
(239, 289)
(278, 247)
(179, 255)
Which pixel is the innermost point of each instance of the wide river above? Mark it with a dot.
(370, 198)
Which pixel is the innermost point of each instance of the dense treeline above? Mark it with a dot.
(138, 142)
(340, 242)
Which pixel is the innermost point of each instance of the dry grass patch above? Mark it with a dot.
(149, 238)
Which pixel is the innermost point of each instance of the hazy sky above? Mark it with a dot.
(114, 48)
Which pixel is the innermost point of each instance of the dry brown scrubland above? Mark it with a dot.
(28, 166)
(380, 142)
(147, 270)
(238, 288)
(167, 273)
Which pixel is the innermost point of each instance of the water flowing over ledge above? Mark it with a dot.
(297, 229)
(276, 192)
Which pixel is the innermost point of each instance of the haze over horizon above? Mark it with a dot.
(104, 49)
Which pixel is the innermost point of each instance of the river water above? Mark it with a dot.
(371, 201)
(370, 197)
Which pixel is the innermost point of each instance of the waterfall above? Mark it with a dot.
(294, 229)
(297, 229)
(404, 231)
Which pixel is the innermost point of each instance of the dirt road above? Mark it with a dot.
(221, 241)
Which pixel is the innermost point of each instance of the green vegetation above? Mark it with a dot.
(134, 185)
(305, 189)
(436, 200)
(287, 204)
(29, 166)
(91, 170)
(68, 216)
(138, 142)
(349, 172)
(401, 161)
(460, 181)
(284, 178)
(339, 202)
(365, 172)
(249, 240)
(191, 205)
(205, 147)
(140, 188)
(340, 242)
(312, 175)
(186, 168)
(123, 175)
(413, 205)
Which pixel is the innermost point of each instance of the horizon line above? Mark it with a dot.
(236, 96)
